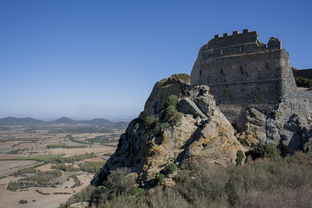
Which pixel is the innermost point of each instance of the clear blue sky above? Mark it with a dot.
(89, 58)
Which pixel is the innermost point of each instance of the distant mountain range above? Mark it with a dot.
(63, 120)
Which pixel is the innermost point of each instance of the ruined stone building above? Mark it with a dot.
(241, 71)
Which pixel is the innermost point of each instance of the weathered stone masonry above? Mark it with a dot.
(243, 71)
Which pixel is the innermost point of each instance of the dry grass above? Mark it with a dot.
(261, 183)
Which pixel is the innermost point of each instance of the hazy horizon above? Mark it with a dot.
(114, 118)
(100, 59)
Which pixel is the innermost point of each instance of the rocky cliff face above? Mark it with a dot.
(179, 123)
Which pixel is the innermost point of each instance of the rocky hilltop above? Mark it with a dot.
(179, 122)
(241, 93)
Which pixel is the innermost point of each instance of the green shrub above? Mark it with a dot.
(303, 82)
(171, 114)
(240, 156)
(150, 121)
(169, 169)
(172, 100)
(266, 151)
(159, 178)
(22, 201)
(165, 125)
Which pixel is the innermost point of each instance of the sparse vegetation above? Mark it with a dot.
(150, 121)
(40, 158)
(172, 115)
(74, 158)
(61, 193)
(51, 146)
(261, 183)
(91, 167)
(65, 168)
(159, 178)
(117, 186)
(42, 193)
(240, 156)
(15, 151)
(104, 139)
(55, 158)
(182, 76)
(72, 139)
(303, 82)
(40, 179)
(22, 201)
(25, 171)
(266, 151)
(18, 139)
(76, 181)
(169, 169)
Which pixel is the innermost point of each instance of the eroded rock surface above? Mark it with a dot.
(202, 133)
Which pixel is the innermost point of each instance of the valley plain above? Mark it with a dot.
(42, 164)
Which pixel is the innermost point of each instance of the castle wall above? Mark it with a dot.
(242, 79)
(242, 71)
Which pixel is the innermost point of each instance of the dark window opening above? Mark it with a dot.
(267, 65)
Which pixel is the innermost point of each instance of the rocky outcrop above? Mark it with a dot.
(200, 131)
(286, 127)
(177, 84)
(151, 142)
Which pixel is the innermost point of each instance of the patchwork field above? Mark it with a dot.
(42, 166)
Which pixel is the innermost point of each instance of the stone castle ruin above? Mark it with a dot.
(241, 93)
(248, 77)
(241, 70)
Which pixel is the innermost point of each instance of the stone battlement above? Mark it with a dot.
(238, 43)
(236, 38)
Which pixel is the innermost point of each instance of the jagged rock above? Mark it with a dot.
(174, 85)
(203, 133)
(251, 125)
(187, 106)
(288, 131)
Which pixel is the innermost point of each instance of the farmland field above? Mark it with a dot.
(44, 165)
